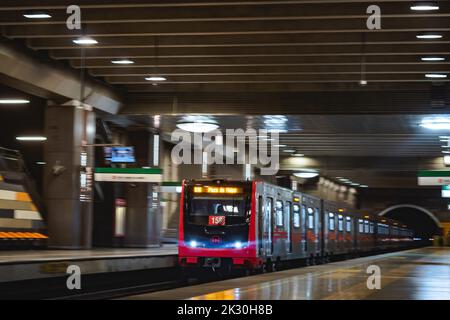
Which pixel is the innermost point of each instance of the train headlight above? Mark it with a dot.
(238, 245)
(193, 244)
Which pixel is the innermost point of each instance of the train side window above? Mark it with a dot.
(310, 218)
(360, 225)
(287, 211)
(371, 227)
(366, 226)
(348, 224)
(331, 221)
(269, 207)
(279, 213)
(340, 222)
(296, 216)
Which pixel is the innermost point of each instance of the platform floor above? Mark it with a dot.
(41, 264)
(99, 253)
(414, 274)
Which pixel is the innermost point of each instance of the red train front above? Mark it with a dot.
(217, 222)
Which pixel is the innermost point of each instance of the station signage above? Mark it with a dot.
(128, 175)
(434, 178)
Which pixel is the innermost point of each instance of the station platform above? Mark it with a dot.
(418, 274)
(38, 264)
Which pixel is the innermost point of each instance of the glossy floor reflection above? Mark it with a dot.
(414, 274)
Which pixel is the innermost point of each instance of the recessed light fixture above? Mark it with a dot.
(200, 127)
(425, 6)
(429, 36)
(85, 41)
(14, 101)
(438, 123)
(122, 61)
(432, 59)
(156, 78)
(436, 75)
(306, 175)
(289, 150)
(363, 82)
(37, 15)
(280, 145)
(363, 186)
(31, 138)
(41, 163)
(276, 130)
(298, 155)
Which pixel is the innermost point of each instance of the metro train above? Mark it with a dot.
(257, 226)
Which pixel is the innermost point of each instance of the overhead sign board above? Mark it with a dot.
(434, 178)
(128, 175)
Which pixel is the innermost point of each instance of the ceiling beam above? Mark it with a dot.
(22, 70)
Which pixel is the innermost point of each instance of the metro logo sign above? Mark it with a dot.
(216, 220)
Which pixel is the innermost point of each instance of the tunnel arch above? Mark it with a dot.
(412, 206)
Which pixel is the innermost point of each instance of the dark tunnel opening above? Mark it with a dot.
(423, 225)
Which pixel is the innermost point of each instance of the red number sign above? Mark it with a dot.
(216, 220)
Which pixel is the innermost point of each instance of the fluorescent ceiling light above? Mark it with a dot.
(298, 155)
(289, 150)
(429, 36)
(425, 7)
(14, 101)
(436, 75)
(364, 186)
(37, 15)
(446, 152)
(31, 138)
(122, 61)
(41, 163)
(85, 41)
(306, 175)
(155, 78)
(280, 145)
(439, 123)
(354, 184)
(432, 59)
(197, 126)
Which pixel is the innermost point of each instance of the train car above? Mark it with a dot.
(339, 234)
(254, 225)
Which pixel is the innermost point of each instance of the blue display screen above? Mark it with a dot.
(122, 155)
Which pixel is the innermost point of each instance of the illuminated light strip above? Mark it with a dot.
(27, 215)
(22, 235)
(14, 196)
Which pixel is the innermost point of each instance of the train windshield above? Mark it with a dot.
(218, 210)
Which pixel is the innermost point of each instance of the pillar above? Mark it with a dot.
(446, 232)
(68, 178)
(143, 221)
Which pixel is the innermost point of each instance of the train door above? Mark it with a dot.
(303, 228)
(267, 239)
(260, 225)
(289, 230)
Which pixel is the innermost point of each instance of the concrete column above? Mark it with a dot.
(143, 222)
(69, 166)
